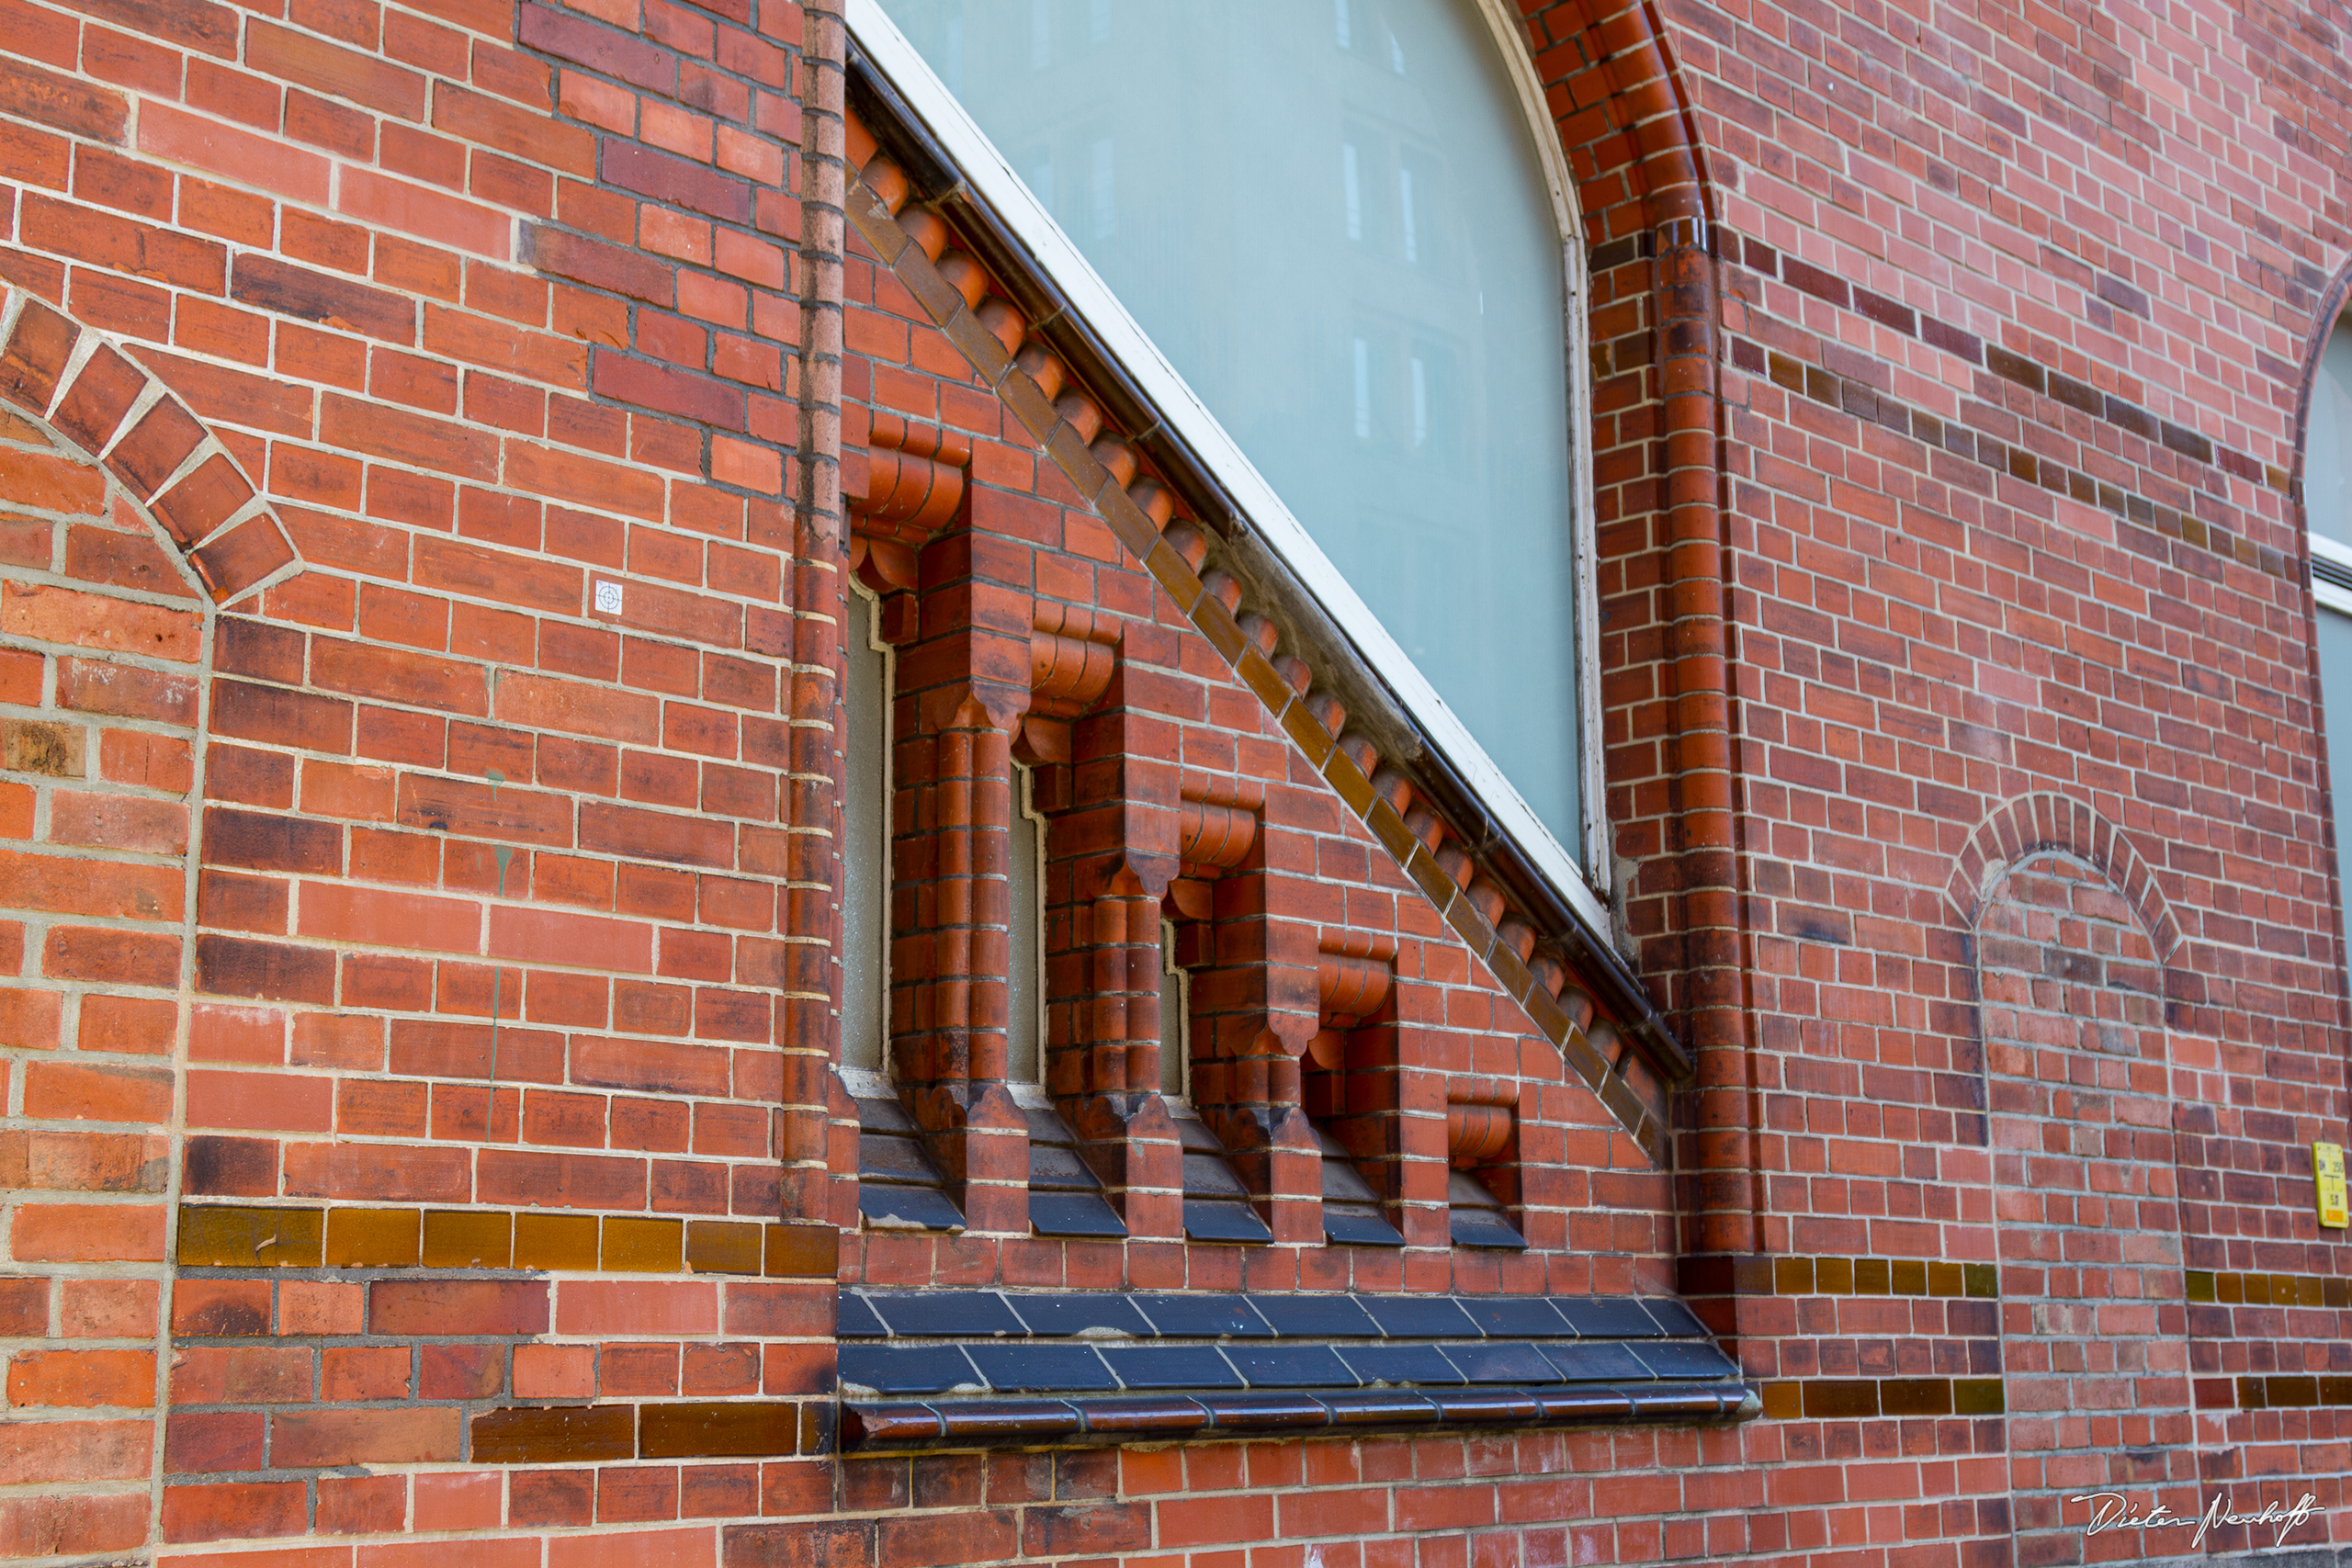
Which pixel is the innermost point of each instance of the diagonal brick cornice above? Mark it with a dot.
(984, 292)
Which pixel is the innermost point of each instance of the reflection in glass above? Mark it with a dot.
(1334, 224)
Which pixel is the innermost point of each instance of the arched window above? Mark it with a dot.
(1336, 223)
(2327, 510)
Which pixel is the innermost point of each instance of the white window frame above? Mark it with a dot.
(862, 608)
(978, 160)
(2336, 599)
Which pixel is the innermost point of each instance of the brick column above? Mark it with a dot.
(965, 687)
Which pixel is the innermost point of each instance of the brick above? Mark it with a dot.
(232, 967)
(636, 1308)
(74, 1524)
(532, 1436)
(236, 155)
(231, 397)
(88, 620)
(426, 1435)
(215, 1166)
(494, 123)
(415, 210)
(374, 1504)
(573, 1182)
(242, 1375)
(549, 937)
(81, 1378)
(51, 98)
(219, 1236)
(124, 561)
(690, 396)
(333, 912)
(265, 842)
(37, 354)
(244, 559)
(602, 50)
(155, 446)
(600, 266)
(121, 244)
(443, 1307)
(77, 1452)
(341, 72)
(567, 476)
(97, 687)
(60, 1090)
(122, 891)
(404, 437)
(117, 822)
(111, 956)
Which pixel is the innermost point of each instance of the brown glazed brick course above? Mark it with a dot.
(226, 1236)
(1764, 1275)
(1846, 1399)
(2273, 1289)
(588, 1434)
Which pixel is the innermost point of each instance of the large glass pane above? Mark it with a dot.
(1025, 982)
(1330, 214)
(2327, 455)
(2336, 692)
(1175, 1027)
(865, 857)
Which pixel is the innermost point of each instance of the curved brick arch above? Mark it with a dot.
(2031, 824)
(80, 384)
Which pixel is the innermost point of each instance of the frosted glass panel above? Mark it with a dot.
(1175, 1031)
(2328, 462)
(1025, 984)
(865, 859)
(1333, 222)
(2336, 691)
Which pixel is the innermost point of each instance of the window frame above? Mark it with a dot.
(2330, 575)
(991, 176)
(862, 612)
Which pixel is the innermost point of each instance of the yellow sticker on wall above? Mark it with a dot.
(2327, 1167)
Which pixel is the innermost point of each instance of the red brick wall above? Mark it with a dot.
(105, 632)
(1948, 378)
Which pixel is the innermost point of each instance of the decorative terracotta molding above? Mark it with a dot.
(1072, 653)
(904, 485)
(1024, 355)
